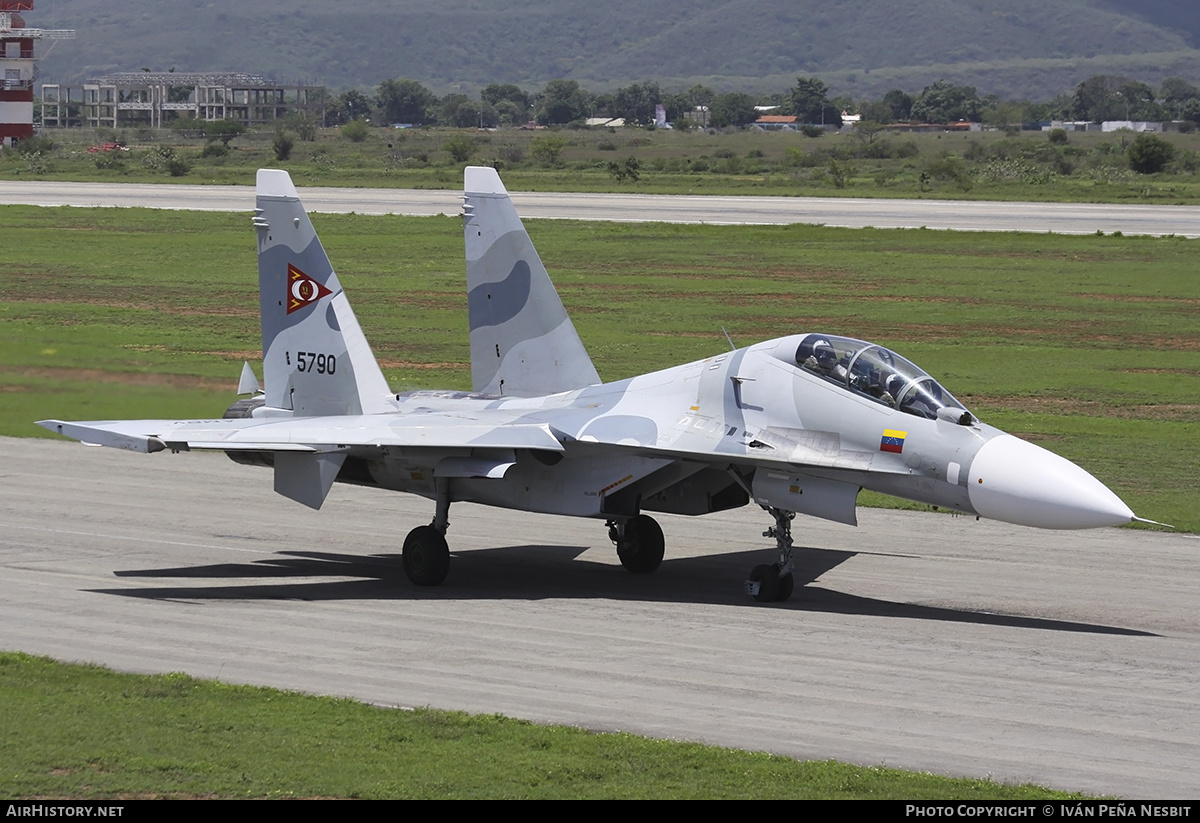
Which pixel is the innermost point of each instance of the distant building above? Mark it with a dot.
(776, 122)
(18, 68)
(156, 98)
(1132, 125)
(611, 122)
(1068, 125)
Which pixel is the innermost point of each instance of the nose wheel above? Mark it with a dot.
(774, 583)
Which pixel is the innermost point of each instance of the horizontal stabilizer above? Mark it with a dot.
(94, 434)
(315, 434)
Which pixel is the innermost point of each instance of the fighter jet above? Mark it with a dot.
(798, 425)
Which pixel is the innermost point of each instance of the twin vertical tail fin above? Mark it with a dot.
(522, 342)
(316, 360)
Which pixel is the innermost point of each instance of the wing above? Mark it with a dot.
(307, 453)
(312, 434)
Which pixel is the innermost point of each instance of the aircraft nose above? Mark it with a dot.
(1018, 482)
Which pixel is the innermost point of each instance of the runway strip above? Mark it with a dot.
(922, 641)
(1064, 218)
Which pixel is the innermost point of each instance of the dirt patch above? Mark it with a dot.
(1136, 298)
(247, 354)
(412, 364)
(1174, 412)
(174, 381)
(141, 305)
(1185, 372)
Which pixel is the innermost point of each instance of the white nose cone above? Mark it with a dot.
(1018, 482)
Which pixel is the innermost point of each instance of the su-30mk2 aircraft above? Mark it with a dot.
(798, 425)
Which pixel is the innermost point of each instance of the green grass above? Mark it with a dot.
(1088, 345)
(991, 165)
(87, 732)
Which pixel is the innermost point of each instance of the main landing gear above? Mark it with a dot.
(639, 541)
(774, 583)
(426, 554)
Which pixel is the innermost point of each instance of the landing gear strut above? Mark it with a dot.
(639, 541)
(774, 583)
(426, 554)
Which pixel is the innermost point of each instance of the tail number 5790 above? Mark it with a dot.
(316, 362)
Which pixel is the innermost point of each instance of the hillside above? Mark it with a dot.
(860, 47)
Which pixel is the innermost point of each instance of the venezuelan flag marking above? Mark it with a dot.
(892, 441)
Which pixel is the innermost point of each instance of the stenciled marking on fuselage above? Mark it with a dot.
(493, 304)
(612, 486)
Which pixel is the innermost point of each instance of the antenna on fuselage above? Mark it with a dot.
(730, 339)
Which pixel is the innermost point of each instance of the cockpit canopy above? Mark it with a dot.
(879, 374)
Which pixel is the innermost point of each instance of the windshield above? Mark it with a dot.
(875, 372)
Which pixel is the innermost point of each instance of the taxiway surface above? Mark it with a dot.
(919, 641)
(1064, 218)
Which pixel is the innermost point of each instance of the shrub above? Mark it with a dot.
(178, 167)
(283, 145)
(547, 148)
(1058, 136)
(34, 145)
(355, 131)
(627, 169)
(839, 173)
(948, 167)
(459, 148)
(108, 160)
(223, 130)
(157, 157)
(1149, 154)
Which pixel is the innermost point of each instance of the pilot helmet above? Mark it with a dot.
(826, 356)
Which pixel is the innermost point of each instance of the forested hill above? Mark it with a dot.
(861, 48)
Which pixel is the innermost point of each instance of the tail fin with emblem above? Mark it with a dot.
(316, 360)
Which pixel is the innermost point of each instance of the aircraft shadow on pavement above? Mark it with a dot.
(537, 572)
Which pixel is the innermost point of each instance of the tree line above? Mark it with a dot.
(562, 102)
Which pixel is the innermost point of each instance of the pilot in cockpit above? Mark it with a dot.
(824, 360)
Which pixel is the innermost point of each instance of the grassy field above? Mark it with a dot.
(87, 732)
(992, 165)
(1087, 345)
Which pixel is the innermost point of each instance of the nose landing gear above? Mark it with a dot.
(774, 583)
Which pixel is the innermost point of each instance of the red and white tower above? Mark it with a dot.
(18, 69)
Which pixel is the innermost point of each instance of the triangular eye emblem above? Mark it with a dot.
(302, 289)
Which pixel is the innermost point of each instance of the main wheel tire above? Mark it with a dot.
(426, 556)
(642, 547)
(767, 578)
(786, 584)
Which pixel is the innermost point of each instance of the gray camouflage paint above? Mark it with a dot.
(522, 342)
(552, 437)
(326, 326)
